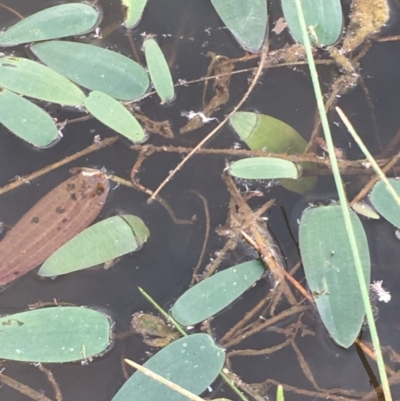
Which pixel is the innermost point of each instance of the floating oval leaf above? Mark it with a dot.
(159, 70)
(55, 219)
(213, 294)
(52, 23)
(365, 210)
(113, 114)
(104, 241)
(323, 17)
(133, 12)
(35, 80)
(330, 270)
(95, 68)
(59, 334)
(26, 120)
(384, 202)
(262, 132)
(192, 362)
(246, 19)
(263, 168)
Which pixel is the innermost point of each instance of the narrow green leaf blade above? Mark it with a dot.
(263, 168)
(215, 293)
(33, 79)
(384, 202)
(100, 243)
(262, 132)
(59, 334)
(95, 68)
(324, 16)
(52, 23)
(133, 12)
(113, 114)
(192, 362)
(330, 270)
(159, 71)
(26, 120)
(246, 19)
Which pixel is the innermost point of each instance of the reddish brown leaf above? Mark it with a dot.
(60, 215)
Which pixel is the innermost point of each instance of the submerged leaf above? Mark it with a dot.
(95, 68)
(215, 293)
(324, 19)
(104, 241)
(263, 168)
(246, 19)
(26, 120)
(192, 362)
(50, 223)
(52, 23)
(54, 335)
(133, 12)
(384, 203)
(262, 132)
(35, 80)
(159, 71)
(113, 114)
(330, 270)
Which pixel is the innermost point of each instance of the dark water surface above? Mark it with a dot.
(186, 31)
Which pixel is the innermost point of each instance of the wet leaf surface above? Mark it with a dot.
(52, 23)
(330, 270)
(58, 334)
(56, 218)
(26, 120)
(159, 71)
(113, 114)
(33, 79)
(95, 68)
(192, 362)
(104, 241)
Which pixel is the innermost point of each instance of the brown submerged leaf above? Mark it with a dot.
(60, 215)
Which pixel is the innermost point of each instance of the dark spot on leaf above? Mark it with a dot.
(15, 273)
(8, 65)
(64, 220)
(70, 187)
(73, 197)
(35, 220)
(60, 209)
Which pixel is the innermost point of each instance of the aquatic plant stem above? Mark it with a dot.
(364, 286)
(183, 332)
(368, 155)
(163, 380)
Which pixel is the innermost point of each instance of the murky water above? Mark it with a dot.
(186, 32)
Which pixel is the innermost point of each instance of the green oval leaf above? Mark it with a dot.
(26, 120)
(384, 203)
(262, 132)
(100, 243)
(246, 19)
(113, 114)
(35, 80)
(263, 168)
(133, 10)
(95, 68)
(215, 293)
(330, 270)
(159, 71)
(192, 362)
(325, 18)
(52, 23)
(59, 334)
